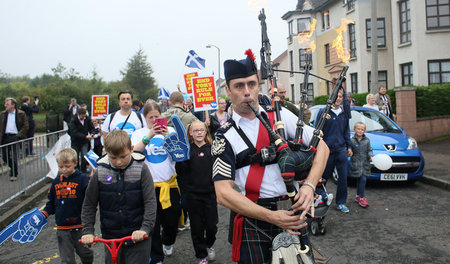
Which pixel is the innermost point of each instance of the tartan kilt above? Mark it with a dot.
(256, 247)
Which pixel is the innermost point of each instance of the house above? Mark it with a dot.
(412, 43)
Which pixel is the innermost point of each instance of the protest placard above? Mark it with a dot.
(205, 97)
(100, 106)
(187, 81)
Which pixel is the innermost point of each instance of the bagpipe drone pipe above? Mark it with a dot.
(295, 159)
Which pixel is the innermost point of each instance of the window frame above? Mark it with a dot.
(354, 82)
(407, 22)
(291, 61)
(302, 56)
(438, 17)
(369, 79)
(440, 72)
(368, 34)
(408, 75)
(327, 54)
(307, 27)
(352, 40)
(309, 92)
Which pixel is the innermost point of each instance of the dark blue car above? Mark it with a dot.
(388, 138)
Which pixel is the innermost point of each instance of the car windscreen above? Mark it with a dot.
(375, 121)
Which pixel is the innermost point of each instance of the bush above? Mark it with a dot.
(433, 100)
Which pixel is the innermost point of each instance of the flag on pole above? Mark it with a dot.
(194, 61)
(163, 94)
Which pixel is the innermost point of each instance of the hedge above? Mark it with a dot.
(433, 100)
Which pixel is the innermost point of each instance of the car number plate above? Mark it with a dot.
(394, 177)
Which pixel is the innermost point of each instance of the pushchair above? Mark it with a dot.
(322, 201)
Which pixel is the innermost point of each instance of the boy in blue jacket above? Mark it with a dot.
(65, 200)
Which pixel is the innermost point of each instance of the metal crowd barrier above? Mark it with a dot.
(32, 168)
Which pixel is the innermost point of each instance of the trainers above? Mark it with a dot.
(211, 253)
(318, 200)
(329, 198)
(343, 208)
(202, 261)
(12, 178)
(357, 198)
(168, 250)
(363, 202)
(187, 223)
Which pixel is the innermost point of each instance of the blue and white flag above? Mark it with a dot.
(91, 157)
(194, 61)
(163, 94)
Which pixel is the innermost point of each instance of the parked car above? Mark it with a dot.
(389, 138)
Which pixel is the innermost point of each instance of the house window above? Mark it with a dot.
(304, 57)
(293, 93)
(438, 14)
(381, 33)
(405, 21)
(352, 37)
(327, 54)
(326, 20)
(310, 92)
(407, 73)
(291, 28)
(350, 5)
(354, 81)
(439, 71)
(303, 24)
(291, 61)
(382, 79)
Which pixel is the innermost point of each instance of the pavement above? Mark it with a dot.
(437, 162)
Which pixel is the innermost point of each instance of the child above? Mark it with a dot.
(65, 199)
(360, 161)
(201, 197)
(97, 135)
(149, 140)
(122, 186)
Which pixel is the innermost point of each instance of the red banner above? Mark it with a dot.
(188, 82)
(100, 106)
(205, 97)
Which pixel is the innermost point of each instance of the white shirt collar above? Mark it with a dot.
(237, 118)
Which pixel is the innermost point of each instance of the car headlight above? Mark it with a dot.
(412, 143)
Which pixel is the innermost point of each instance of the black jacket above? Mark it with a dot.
(29, 110)
(78, 132)
(196, 173)
(65, 199)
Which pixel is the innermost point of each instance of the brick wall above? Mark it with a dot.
(423, 129)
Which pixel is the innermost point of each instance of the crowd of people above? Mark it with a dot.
(140, 191)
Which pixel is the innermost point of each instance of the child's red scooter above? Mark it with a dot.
(113, 245)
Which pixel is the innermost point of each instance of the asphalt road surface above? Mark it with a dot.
(405, 223)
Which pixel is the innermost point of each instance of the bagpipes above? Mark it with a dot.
(295, 159)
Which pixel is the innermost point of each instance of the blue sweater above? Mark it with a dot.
(65, 199)
(336, 132)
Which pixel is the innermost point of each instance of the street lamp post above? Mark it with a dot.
(218, 53)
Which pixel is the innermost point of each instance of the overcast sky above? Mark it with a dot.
(82, 34)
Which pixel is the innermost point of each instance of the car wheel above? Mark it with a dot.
(335, 175)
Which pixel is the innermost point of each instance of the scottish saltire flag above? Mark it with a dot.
(194, 61)
(163, 94)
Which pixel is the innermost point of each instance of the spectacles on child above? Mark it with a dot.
(199, 131)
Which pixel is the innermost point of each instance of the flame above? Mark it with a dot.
(305, 37)
(338, 42)
(326, 13)
(256, 5)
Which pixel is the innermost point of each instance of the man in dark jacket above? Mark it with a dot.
(71, 111)
(29, 110)
(336, 133)
(80, 131)
(13, 127)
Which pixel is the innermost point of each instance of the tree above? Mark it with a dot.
(138, 76)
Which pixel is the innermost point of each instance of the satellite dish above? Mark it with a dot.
(382, 161)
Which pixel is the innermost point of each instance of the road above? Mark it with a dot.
(405, 223)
